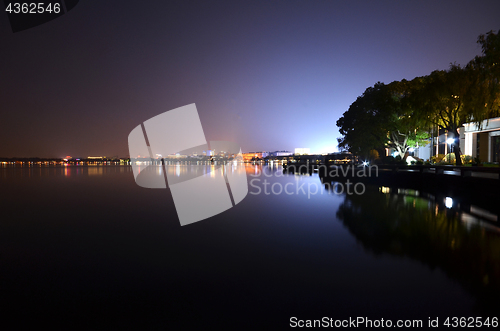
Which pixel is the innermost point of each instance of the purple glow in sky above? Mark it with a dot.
(271, 75)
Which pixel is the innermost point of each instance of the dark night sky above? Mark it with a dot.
(271, 75)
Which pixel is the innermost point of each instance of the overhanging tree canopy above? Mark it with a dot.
(379, 118)
(397, 115)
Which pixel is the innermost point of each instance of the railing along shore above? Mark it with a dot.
(449, 170)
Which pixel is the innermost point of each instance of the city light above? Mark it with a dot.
(448, 202)
(449, 141)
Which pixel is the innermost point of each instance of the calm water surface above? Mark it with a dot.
(85, 247)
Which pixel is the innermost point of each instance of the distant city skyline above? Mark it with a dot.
(269, 75)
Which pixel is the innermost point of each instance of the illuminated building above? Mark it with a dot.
(247, 157)
(302, 151)
(482, 141)
(280, 153)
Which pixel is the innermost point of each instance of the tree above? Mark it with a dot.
(441, 101)
(451, 98)
(379, 118)
(405, 130)
(490, 47)
(483, 97)
(362, 125)
(400, 114)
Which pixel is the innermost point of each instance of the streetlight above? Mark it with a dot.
(450, 141)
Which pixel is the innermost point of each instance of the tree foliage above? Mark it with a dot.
(362, 125)
(483, 97)
(490, 58)
(380, 118)
(405, 130)
(401, 114)
(450, 98)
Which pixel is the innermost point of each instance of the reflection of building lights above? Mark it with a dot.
(365, 163)
(448, 202)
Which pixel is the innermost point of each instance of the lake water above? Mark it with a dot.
(85, 247)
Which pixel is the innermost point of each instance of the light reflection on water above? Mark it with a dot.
(433, 230)
(470, 214)
(65, 170)
(271, 255)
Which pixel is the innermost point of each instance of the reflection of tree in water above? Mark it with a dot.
(417, 228)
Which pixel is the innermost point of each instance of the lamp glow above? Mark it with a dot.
(448, 202)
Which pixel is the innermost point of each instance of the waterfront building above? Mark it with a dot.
(482, 141)
(280, 153)
(176, 156)
(247, 157)
(302, 151)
